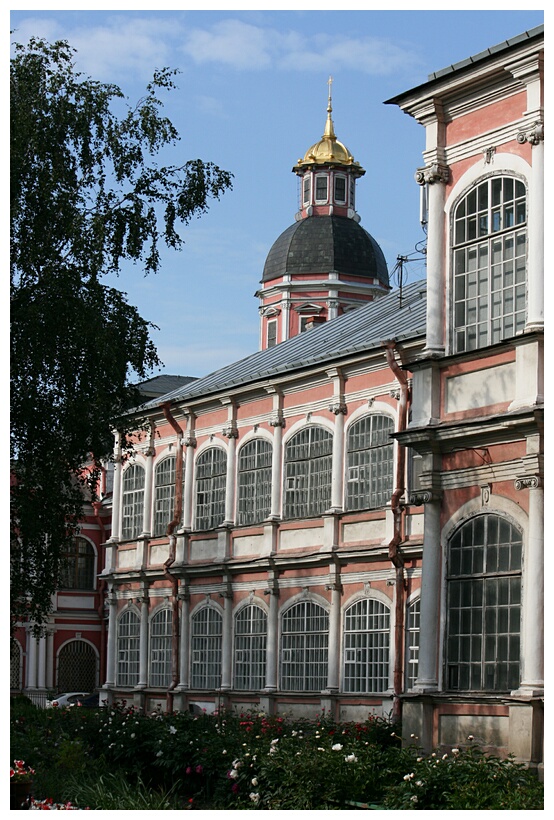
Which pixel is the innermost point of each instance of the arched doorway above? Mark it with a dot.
(77, 667)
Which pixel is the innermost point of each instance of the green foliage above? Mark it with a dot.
(86, 196)
(465, 779)
(253, 762)
(116, 792)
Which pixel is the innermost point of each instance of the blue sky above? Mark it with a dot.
(252, 97)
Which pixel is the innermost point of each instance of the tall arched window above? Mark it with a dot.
(211, 472)
(133, 501)
(250, 648)
(370, 463)
(490, 247)
(484, 605)
(254, 481)
(308, 467)
(164, 494)
(206, 642)
(161, 631)
(304, 647)
(366, 646)
(128, 648)
(78, 565)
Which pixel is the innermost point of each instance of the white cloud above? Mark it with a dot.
(232, 42)
(122, 46)
(244, 46)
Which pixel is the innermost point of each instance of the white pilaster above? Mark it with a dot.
(143, 642)
(532, 624)
(111, 648)
(427, 679)
(334, 640)
(227, 644)
(272, 649)
(184, 651)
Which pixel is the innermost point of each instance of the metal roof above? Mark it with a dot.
(493, 51)
(394, 316)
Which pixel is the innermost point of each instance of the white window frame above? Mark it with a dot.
(132, 501)
(128, 648)
(250, 648)
(304, 647)
(160, 648)
(366, 647)
(206, 642)
(489, 262)
(326, 199)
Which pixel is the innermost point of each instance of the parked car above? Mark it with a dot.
(67, 699)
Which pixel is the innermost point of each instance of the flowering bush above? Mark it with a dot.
(20, 772)
(252, 762)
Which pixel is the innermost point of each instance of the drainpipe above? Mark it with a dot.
(170, 532)
(398, 512)
(96, 505)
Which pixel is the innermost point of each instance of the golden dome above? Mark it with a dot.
(328, 150)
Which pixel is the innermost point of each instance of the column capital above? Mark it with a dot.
(338, 407)
(533, 134)
(430, 174)
(419, 497)
(277, 420)
(532, 482)
(230, 431)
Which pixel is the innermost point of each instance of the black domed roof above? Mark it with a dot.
(319, 244)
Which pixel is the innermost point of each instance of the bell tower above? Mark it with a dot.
(325, 264)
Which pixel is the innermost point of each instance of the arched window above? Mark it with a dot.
(484, 605)
(133, 501)
(366, 646)
(370, 463)
(308, 465)
(254, 481)
(211, 471)
(206, 639)
(128, 648)
(250, 648)
(77, 667)
(490, 246)
(304, 648)
(412, 643)
(78, 565)
(164, 495)
(161, 631)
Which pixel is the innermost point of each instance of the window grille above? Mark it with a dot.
(484, 605)
(304, 648)
(340, 189)
(250, 648)
(206, 640)
(164, 495)
(15, 665)
(308, 466)
(321, 188)
(133, 501)
(366, 646)
(490, 248)
(161, 631)
(412, 643)
(272, 333)
(306, 189)
(254, 481)
(128, 648)
(78, 565)
(370, 463)
(77, 667)
(211, 471)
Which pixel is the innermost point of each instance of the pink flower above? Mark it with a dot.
(199, 769)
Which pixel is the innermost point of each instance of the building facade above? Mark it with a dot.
(351, 519)
(477, 412)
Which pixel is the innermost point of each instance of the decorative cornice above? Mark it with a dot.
(532, 135)
(432, 173)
